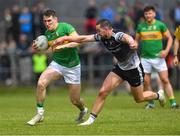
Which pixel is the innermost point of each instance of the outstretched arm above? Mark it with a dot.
(74, 40)
(67, 45)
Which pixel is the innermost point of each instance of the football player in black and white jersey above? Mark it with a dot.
(123, 47)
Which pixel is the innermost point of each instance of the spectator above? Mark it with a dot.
(11, 52)
(122, 8)
(159, 13)
(138, 12)
(91, 15)
(7, 23)
(175, 15)
(25, 20)
(15, 23)
(24, 56)
(4, 62)
(37, 20)
(107, 12)
(119, 23)
(39, 64)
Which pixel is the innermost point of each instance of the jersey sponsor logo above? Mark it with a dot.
(153, 35)
(150, 28)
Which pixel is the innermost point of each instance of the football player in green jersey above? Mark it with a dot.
(150, 34)
(65, 63)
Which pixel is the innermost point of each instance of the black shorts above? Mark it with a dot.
(134, 77)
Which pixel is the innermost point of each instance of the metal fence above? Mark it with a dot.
(95, 67)
(15, 70)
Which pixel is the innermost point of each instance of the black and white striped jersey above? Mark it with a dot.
(127, 58)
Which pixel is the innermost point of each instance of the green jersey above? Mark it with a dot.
(151, 38)
(66, 57)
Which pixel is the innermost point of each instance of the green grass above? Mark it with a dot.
(120, 116)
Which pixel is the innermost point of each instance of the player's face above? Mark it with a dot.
(50, 22)
(104, 32)
(149, 15)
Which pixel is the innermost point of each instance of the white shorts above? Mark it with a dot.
(157, 64)
(71, 75)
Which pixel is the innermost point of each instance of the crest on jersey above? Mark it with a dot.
(154, 27)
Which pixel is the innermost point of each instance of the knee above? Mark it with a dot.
(103, 93)
(41, 85)
(165, 81)
(75, 101)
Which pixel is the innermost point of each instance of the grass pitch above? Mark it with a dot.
(120, 116)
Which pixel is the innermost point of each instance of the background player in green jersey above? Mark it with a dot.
(150, 34)
(65, 63)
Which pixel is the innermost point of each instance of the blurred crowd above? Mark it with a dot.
(22, 25)
(125, 17)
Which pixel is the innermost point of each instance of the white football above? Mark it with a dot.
(41, 42)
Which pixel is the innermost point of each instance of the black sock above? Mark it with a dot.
(93, 115)
(157, 96)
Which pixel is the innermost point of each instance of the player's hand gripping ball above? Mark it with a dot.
(41, 42)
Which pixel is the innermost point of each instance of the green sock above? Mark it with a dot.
(151, 102)
(40, 109)
(172, 101)
(40, 105)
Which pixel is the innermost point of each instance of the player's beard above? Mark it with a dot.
(150, 20)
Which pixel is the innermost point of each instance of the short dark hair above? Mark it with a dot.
(104, 23)
(49, 12)
(148, 8)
